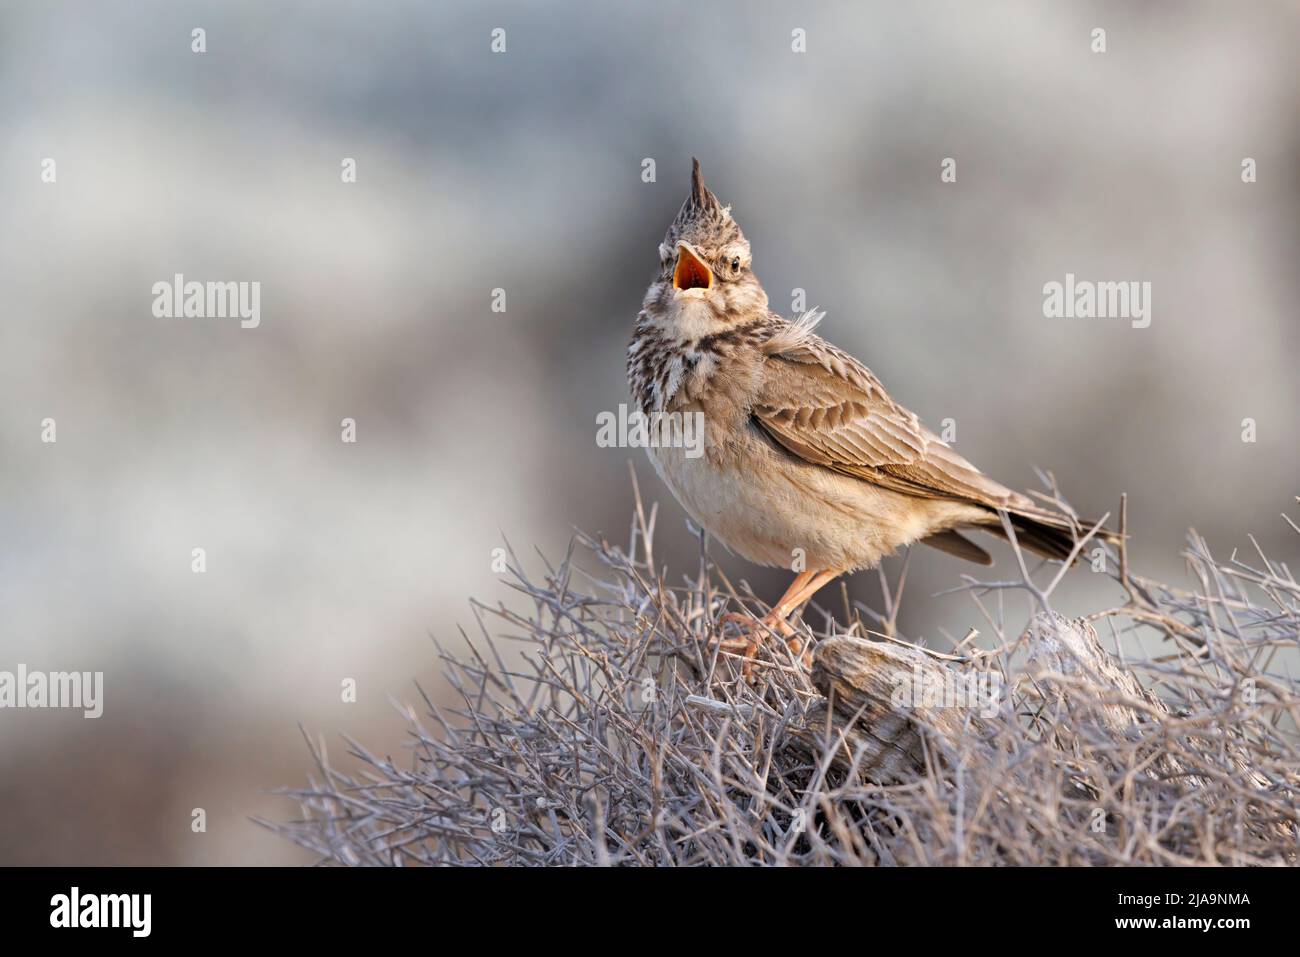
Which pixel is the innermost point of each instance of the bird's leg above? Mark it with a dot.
(749, 643)
(805, 585)
(790, 602)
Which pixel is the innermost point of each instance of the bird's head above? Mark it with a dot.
(705, 282)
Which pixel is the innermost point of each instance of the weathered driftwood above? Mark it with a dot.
(1095, 713)
(1067, 660)
(1089, 699)
(882, 713)
(876, 731)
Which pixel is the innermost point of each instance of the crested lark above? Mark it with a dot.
(803, 449)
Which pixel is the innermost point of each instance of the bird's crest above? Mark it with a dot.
(702, 209)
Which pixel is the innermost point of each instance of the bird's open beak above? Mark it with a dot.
(691, 271)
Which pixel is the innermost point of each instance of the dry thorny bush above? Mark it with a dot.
(604, 726)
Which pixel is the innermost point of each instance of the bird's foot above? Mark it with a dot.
(756, 629)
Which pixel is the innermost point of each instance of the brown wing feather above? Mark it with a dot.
(826, 407)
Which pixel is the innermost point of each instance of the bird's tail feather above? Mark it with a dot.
(1050, 536)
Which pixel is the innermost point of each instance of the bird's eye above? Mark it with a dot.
(735, 264)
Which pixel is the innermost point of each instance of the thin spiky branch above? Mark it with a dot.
(603, 725)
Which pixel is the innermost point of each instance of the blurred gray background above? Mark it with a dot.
(522, 171)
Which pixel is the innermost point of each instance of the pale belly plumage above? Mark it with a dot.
(773, 509)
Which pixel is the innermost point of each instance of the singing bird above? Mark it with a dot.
(807, 462)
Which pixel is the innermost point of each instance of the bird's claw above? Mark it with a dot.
(755, 630)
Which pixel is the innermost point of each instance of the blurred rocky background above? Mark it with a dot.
(522, 170)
